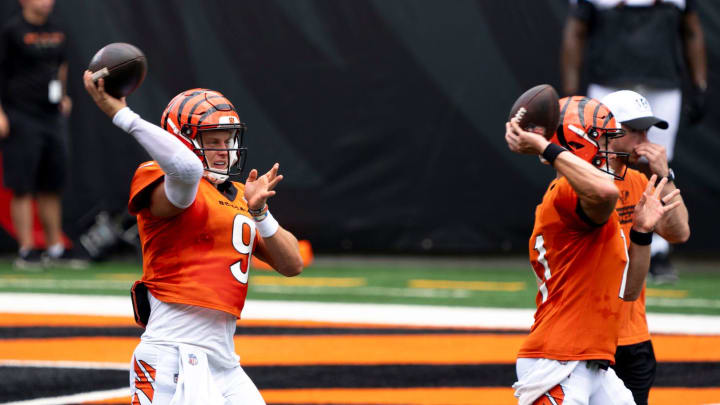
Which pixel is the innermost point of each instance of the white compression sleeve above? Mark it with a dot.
(183, 170)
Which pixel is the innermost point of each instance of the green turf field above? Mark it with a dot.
(483, 283)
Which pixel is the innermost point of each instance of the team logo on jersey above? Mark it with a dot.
(192, 359)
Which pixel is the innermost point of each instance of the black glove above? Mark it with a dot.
(695, 104)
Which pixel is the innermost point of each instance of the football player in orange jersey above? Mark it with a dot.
(635, 360)
(581, 261)
(198, 231)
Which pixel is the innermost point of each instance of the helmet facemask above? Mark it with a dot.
(602, 159)
(237, 152)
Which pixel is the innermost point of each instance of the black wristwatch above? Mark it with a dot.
(671, 175)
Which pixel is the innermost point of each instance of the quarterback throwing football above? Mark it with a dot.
(582, 264)
(198, 231)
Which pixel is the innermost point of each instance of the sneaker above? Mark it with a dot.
(661, 270)
(29, 261)
(68, 259)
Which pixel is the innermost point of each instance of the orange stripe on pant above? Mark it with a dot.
(555, 396)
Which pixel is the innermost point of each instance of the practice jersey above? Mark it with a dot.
(201, 256)
(581, 271)
(30, 58)
(634, 328)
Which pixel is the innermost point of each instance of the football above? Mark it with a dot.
(122, 66)
(537, 108)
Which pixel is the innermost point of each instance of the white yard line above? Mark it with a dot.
(76, 398)
(386, 314)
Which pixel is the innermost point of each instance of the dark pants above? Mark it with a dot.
(636, 366)
(35, 153)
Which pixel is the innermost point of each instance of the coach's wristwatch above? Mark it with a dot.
(670, 175)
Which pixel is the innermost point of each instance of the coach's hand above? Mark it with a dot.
(656, 156)
(107, 103)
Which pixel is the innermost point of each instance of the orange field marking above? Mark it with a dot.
(687, 348)
(64, 320)
(343, 349)
(291, 350)
(444, 396)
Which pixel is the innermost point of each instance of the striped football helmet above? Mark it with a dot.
(583, 122)
(196, 110)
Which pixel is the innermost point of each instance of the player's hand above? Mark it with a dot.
(524, 142)
(107, 103)
(4, 125)
(655, 155)
(259, 189)
(651, 207)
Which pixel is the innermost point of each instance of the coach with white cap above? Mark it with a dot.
(634, 112)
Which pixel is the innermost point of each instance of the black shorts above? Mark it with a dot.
(636, 366)
(34, 155)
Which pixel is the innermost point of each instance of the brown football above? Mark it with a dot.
(122, 66)
(537, 108)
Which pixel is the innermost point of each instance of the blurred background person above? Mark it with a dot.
(33, 83)
(646, 46)
(635, 361)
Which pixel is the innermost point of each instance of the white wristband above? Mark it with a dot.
(268, 226)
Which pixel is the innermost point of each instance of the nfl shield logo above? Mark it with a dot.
(192, 359)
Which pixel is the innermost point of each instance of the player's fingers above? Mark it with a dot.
(252, 176)
(511, 141)
(274, 182)
(101, 86)
(89, 84)
(659, 187)
(649, 187)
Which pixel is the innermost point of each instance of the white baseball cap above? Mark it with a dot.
(632, 109)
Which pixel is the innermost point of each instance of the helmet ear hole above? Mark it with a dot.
(186, 130)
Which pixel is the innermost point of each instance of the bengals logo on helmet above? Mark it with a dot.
(583, 122)
(196, 110)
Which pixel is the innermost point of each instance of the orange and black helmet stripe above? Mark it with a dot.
(184, 106)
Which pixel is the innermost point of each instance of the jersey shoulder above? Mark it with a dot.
(147, 174)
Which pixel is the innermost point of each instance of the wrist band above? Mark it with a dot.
(640, 238)
(258, 214)
(267, 226)
(551, 152)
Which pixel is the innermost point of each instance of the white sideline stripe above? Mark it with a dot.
(76, 398)
(387, 314)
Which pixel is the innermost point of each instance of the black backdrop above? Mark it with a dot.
(386, 116)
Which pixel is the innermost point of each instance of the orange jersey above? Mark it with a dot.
(581, 270)
(200, 256)
(634, 328)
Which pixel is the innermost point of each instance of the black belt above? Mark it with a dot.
(598, 364)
